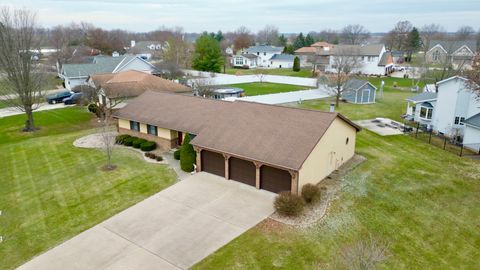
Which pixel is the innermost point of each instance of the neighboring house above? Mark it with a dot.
(270, 147)
(359, 91)
(77, 74)
(263, 56)
(146, 49)
(373, 59)
(459, 53)
(448, 110)
(114, 88)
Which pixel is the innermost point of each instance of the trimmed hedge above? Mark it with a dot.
(121, 138)
(310, 193)
(129, 141)
(187, 155)
(176, 154)
(136, 143)
(289, 204)
(148, 146)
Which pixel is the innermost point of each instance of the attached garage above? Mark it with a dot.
(213, 163)
(242, 171)
(275, 180)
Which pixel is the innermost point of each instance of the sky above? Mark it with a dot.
(290, 16)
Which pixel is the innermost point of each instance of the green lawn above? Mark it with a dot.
(51, 191)
(254, 89)
(306, 73)
(424, 201)
(51, 82)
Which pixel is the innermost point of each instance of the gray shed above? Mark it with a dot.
(359, 91)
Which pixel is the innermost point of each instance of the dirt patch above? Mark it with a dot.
(329, 187)
(107, 168)
(269, 225)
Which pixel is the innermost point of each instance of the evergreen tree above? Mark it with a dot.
(219, 36)
(282, 40)
(296, 64)
(289, 49)
(414, 42)
(309, 40)
(208, 54)
(299, 42)
(187, 155)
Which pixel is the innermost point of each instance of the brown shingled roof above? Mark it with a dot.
(133, 83)
(276, 135)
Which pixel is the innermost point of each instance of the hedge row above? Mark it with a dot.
(140, 143)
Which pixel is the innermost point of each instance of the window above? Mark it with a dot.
(134, 126)
(238, 60)
(347, 140)
(152, 130)
(265, 54)
(436, 56)
(426, 113)
(459, 120)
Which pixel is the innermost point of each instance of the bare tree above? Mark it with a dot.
(108, 135)
(430, 32)
(344, 62)
(354, 34)
(397, 38)
(260, 74)
(268, 35)
(20, 74)
(473, 76)
(176, 55)
(243, 38)
(464, 33)
(204, 87)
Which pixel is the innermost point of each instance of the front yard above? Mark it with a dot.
(254, 89)
(52, 191)
(420, 199)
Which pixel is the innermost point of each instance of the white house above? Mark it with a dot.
(264, 53)
(145, 49)
(264, 57)
(246, 60)
(77, 74)
(282, 61)
(452, 111)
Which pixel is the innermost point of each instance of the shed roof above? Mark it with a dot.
(355, 84)
(276, 135)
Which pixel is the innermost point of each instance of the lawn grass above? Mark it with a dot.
(420, 199)
(257, 88)
(51, 190)
(51, 82)
(304, 73)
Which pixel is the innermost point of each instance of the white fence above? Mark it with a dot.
(223, 79)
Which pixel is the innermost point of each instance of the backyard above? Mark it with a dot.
(305, 72)
(254, 89)
(51, 191)
(420, 200)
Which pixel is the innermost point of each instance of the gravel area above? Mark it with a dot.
(329, 191)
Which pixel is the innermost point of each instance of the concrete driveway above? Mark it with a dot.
(174, 229)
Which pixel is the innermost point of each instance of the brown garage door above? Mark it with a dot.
(274, 180)
(213, 163)
(242, 171)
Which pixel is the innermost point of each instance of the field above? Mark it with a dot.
(306, 73)
(52, 190)
(254, 89)
(420, 200)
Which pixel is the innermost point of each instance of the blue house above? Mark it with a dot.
(359, 91)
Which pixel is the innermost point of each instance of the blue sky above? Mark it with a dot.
(287, 15)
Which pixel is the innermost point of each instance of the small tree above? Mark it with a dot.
(208, 54)
(187, 155)
(296, 64)
(204, 87)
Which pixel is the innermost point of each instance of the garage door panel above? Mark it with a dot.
(242, 171)
(275, 180)
(213, 163)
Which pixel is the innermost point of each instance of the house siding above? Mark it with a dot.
(166, 138)
(329, 154)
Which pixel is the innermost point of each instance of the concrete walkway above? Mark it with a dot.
(286, 97)
(174, 229)
(43, 107)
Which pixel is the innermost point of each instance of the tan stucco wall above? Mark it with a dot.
(329, 154)
(162, 132)
(122, 123)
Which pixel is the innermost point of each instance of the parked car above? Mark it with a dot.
(73, 99)
(58, 97)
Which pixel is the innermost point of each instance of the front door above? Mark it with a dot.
(180, 138)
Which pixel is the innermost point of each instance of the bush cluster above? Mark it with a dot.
(154, 156)
(310, 193)
(289, 204)
(136, 142)
(176, 154)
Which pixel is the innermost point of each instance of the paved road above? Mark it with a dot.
(43, 107)
(174, 229)
(286, 97)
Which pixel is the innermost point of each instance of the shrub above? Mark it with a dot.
(121, 138)
(176, 154)
(296, 64)
(129, 141)
(136, 143)
(148, 146)
(288, 204)
(187, 155)
(310, 193)
(159, 158)
(93, 108)
(150, 155)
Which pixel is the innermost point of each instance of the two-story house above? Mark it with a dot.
(459, 54)
(146, 49)
(453, 111)
(262, 56)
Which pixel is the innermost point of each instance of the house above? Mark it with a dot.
(459, 53)
(373, 59)
(269, 147)
(146, 49)
(78, 74)
(117, 87)
(359, 91)
(262, 56)
(447, 111)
